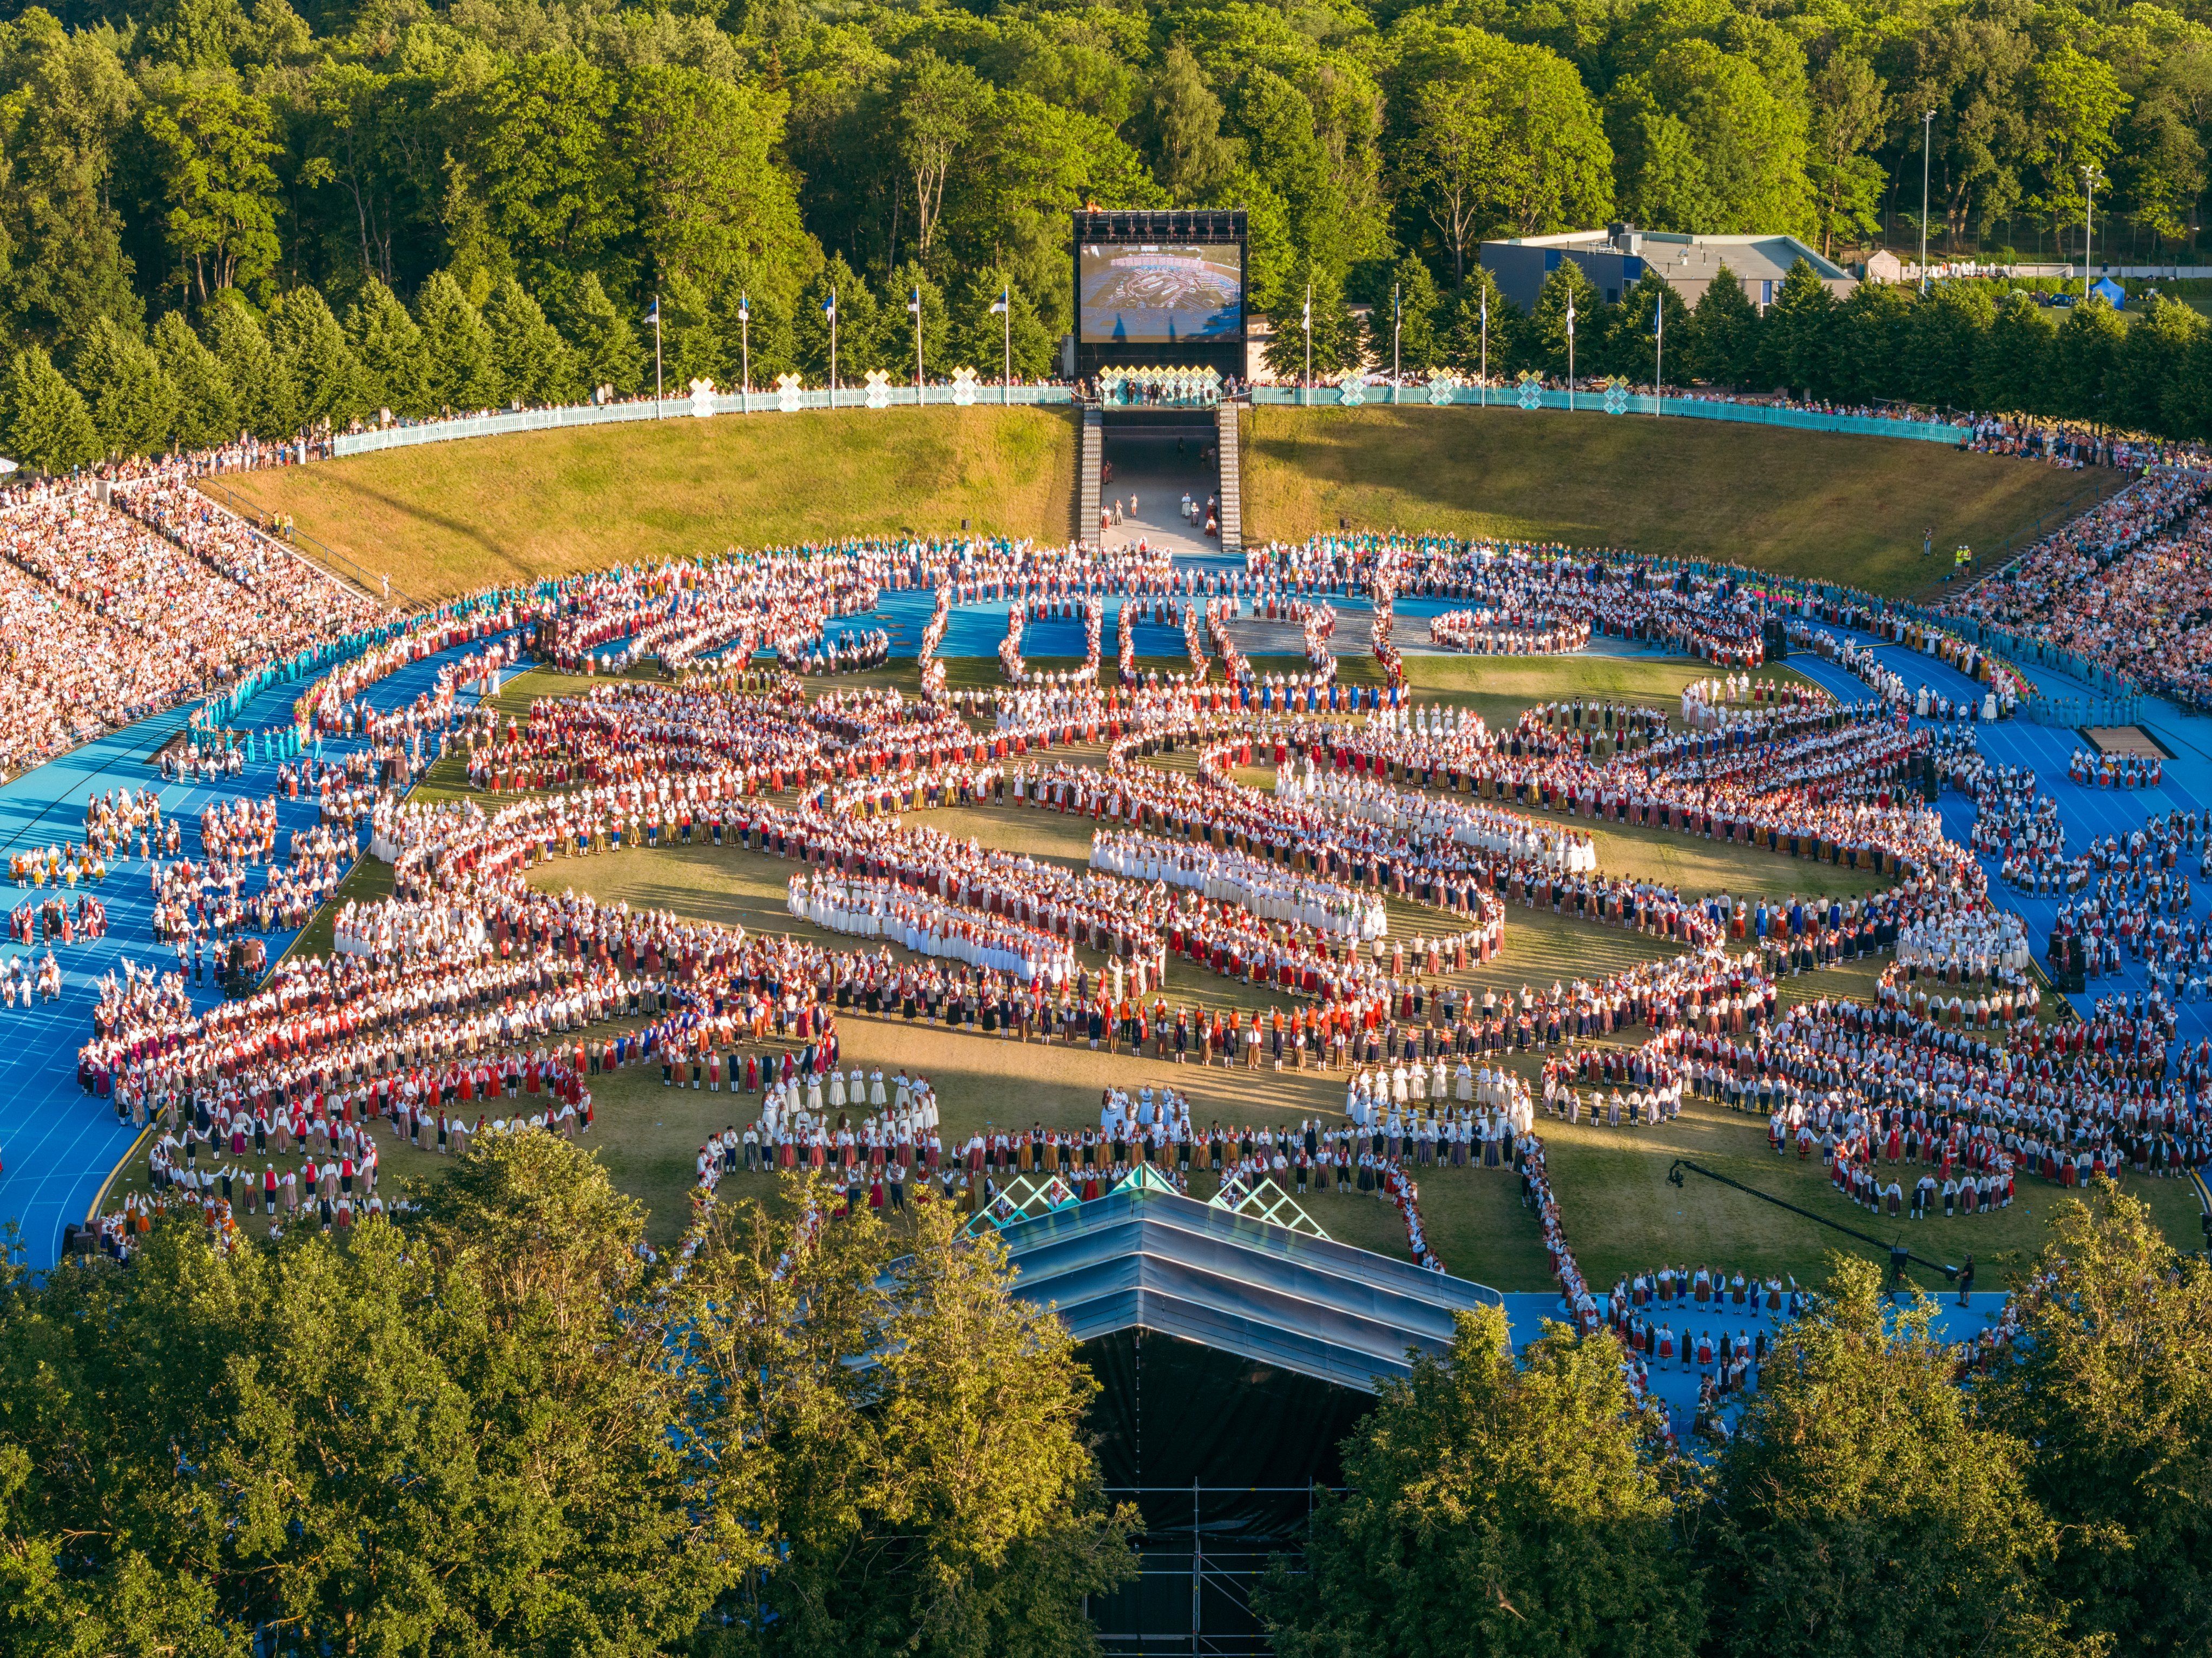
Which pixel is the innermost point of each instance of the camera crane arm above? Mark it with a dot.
(1674, 1178)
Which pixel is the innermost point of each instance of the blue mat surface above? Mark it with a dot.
(58, 1144)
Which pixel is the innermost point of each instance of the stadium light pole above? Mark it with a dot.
(1397, 329)
(2088, 223)
(1927, 136)
(1005, 307)
(1305, 392)
(1571, 350)
(914, 304)
(745, 347)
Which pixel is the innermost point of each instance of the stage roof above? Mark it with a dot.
(1153, 1261)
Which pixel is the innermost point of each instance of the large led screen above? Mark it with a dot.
(1160, 292)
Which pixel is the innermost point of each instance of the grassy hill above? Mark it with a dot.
(1801, 503)
(448, 518)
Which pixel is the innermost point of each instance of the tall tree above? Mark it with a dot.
(477, 1452)
(990, 1480)
(552, 182)
(1418, 315)
(712, 191)
(608, 350)
(1495, 138)
(696, 345)
(2083, 358)
(215, 143)
(133, 404)
(1548, 322)
(1871, 330)
(533, 361)
(1708, 142)
(906, 285)
(1465, 332)
(1849, 114)
(1337, 339)
(955, 1467)
(1495, 1506)
(391, 350)
(2014, 371)
(2078, 101)
(1182, 132)
(1633, 345)
(207, 407)
(2155, 384)
(1942, 344)
(334, 386)
(269, 404)
(66, 104)
(859, 325)
(1864, 1506)
(1729, 328)
(464, 374)
(984, 337)
(43, 420)
(1797, 341)
(940, 106)
(2109, 1393)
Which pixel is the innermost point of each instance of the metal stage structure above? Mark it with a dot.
(1234, 1355)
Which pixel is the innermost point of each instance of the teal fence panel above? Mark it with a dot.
(1595, 403)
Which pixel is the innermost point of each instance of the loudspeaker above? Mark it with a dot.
(1778, 639)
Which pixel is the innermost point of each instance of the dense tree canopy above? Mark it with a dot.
(485, 200)
(498, 1429)
(156, 159)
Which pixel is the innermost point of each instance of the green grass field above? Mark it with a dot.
(1799, 503)
(449, 518)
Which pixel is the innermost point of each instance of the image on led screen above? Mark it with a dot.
(1160, 292)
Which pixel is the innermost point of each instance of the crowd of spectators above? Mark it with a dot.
(2125, 588)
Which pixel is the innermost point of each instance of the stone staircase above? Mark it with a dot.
(1087, 485)
(1233, 486)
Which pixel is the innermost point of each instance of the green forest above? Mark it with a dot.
(218, 214)
(493, 1425)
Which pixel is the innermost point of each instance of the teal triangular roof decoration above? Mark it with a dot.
(1264, 1200)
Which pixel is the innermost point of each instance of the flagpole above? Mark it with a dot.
(1482, 389)
(914, 305)
(832, 348)
(1659, 353)
(1305, 392)
(1397, 327)
(1571, 353)
(745, 345)
(1007, 378)
(656, 357)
